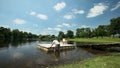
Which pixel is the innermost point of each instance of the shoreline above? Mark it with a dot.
(102, 61)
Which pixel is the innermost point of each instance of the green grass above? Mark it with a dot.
(98, 62)
(96, 40)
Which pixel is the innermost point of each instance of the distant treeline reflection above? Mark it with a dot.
(15, 43)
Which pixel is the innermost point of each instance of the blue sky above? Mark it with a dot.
(52, 16)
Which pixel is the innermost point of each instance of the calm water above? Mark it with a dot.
(27, 55)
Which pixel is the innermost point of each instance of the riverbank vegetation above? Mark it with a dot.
(97, 40)
(15, 35)
(98, 62)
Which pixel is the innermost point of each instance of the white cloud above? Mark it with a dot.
(97, 10)
(59, 6)
(39, 15)
(42, 16)
(57, 29)
(19, 21)
(50, 28)
(65, 24)
(33, 13)
(59, 26)
(116, 6)
(78, 11)
(68, 16)
(84, 26)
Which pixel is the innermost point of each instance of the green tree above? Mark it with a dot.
(2, 37)
(15, 34)
(101, 30)
(45, 37)
(53, 37)
(114, 26)
(88, 32)
(70, 34)
(61, 35)
(77, 32)
(83, 32)
(5, 33)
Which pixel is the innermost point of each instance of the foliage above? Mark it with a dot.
(115, 26)
(102, 30)
(61, 35)
(47, 37)
(70, 34)
(83, 32)
(7, 34)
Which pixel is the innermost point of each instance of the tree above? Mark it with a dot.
(15, 34)
(5, 33)
(101, 31)
(83, 32)
(2, 37)
(46, 37)
(77, 32)
(114, 26)
(88, 32)
(25, 35)
(70, 34)
(61, 35)
(53, 37)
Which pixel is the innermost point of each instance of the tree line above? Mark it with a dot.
(15, 35)
(61, 35)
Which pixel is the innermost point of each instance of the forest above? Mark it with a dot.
(15, 35)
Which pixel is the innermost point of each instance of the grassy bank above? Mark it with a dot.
(98, 62)
(96, 40)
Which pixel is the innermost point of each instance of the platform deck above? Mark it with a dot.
(47, 47)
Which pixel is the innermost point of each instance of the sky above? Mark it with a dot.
(51, 16)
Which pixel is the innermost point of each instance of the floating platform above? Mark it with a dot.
(48, 48)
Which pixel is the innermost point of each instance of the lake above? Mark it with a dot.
(27, 55)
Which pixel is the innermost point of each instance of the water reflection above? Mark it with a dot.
(8, 43)
(57, 55)
(4, 43)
